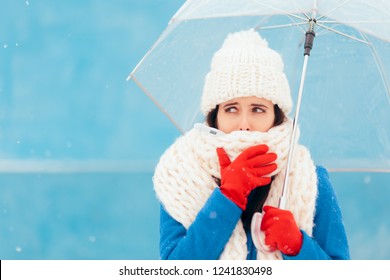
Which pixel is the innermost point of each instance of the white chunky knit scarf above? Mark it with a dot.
(183, 179)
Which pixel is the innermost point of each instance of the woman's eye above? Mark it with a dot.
(230, 109)
(258, 110)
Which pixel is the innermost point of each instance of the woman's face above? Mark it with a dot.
(246, 113)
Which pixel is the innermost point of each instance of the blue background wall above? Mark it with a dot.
(78, 143)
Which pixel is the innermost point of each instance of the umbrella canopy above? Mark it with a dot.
(345, 109)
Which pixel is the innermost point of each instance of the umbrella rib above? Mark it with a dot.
(178, 12)
(326, 30)
(342, 33)
(298, 24)
(177, 17)
(334, 9)
(354, 21)
(280, 26)
(157, 104)
(307, 16)
(380, 66)
(298, 17)
(281, 11)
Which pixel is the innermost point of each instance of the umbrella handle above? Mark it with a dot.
(257, 234)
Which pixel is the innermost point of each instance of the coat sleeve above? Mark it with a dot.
(329, 239)
(207, 236)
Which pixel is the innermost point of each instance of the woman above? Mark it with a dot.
(211, 184)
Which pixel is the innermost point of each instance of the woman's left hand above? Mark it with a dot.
(281, 231)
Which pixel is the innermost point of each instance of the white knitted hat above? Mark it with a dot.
(246, 66)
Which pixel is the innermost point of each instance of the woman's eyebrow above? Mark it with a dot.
(230, 104)
(259, 105)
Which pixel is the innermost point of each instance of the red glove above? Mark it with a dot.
(281, 231)
(240, 177)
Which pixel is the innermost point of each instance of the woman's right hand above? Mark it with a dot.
(245, 173)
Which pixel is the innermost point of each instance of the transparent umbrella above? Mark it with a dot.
(342, 93)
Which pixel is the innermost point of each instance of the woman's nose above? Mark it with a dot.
(244, 123)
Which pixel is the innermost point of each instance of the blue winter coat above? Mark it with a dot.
(207, 236)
